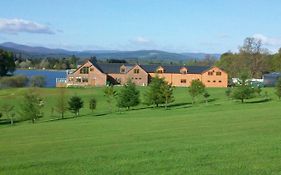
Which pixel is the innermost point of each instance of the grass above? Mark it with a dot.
(222, 137)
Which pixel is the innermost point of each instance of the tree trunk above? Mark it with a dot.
(12, 121)
(242, 100)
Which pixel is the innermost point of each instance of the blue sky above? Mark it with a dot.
(212, 26)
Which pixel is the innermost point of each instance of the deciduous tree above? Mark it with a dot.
(196, 88)
(92, 104)
(61, 103)
(243, 90)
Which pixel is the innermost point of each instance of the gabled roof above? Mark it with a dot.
(113, 67)
(175, 68)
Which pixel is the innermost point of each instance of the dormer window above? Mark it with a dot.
(183, 70)
(122, 70)
(160, 70)
(84, 70)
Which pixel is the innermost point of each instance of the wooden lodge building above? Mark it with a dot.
(101, 74)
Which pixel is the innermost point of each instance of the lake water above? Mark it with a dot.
(50, 75)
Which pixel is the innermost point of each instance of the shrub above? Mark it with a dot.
(37, 81)
(14, 81)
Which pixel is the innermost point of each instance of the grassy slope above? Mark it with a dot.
(223, 137)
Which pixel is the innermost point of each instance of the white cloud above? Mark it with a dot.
(15, 26)
(270, 41)
(140, 40)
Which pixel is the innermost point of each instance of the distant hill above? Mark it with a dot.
(43, 52)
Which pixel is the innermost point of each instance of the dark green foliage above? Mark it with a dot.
(228, 92)
(110, 95)
(14, 81)
(93, 103)
(243, 90)
(278, 88)
(7, 63)
(128, 96)
(37, 81)
(32, 105)
(159, 92)
(206, 95)
(75, 103)
(196, 88)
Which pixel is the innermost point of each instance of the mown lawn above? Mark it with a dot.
(221, 137)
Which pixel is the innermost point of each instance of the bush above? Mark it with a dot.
(37, 81)
(14, 81)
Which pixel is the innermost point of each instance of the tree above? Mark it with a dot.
(7, 111)
(75, 103)
(278, 88)
(206, 95)
(61, 103)
(93, 103)
(7, 63)
(167, 91)
(196, 88)
(38, 81)
(32, 105)
(243, 89)
(129, 96)
(228, 92)
(110, 95)
(154, 95)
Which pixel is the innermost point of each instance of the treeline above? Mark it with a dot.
(252, 59)
(48, 63)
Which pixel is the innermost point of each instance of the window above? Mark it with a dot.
(70, 79)
(139, 78)
(214, 81)
(209, 81)
(136, 71)
(91, 69)
(84, 70)
(159, 71)
(218, 73)
(78, 79)
(210, 73)
(85, 80)
(136, 78)
(183, 80)
(122, 70)
(219, 81)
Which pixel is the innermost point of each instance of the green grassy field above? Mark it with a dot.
(222, 137)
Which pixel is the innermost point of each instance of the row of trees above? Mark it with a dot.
(159, 93)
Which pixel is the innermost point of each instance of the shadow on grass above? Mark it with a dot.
(259, 101)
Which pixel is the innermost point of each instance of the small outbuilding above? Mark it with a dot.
(270, 79)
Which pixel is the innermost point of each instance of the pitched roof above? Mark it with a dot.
(115, 68)
(175, 68)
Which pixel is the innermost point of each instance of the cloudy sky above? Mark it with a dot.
(212, 26)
